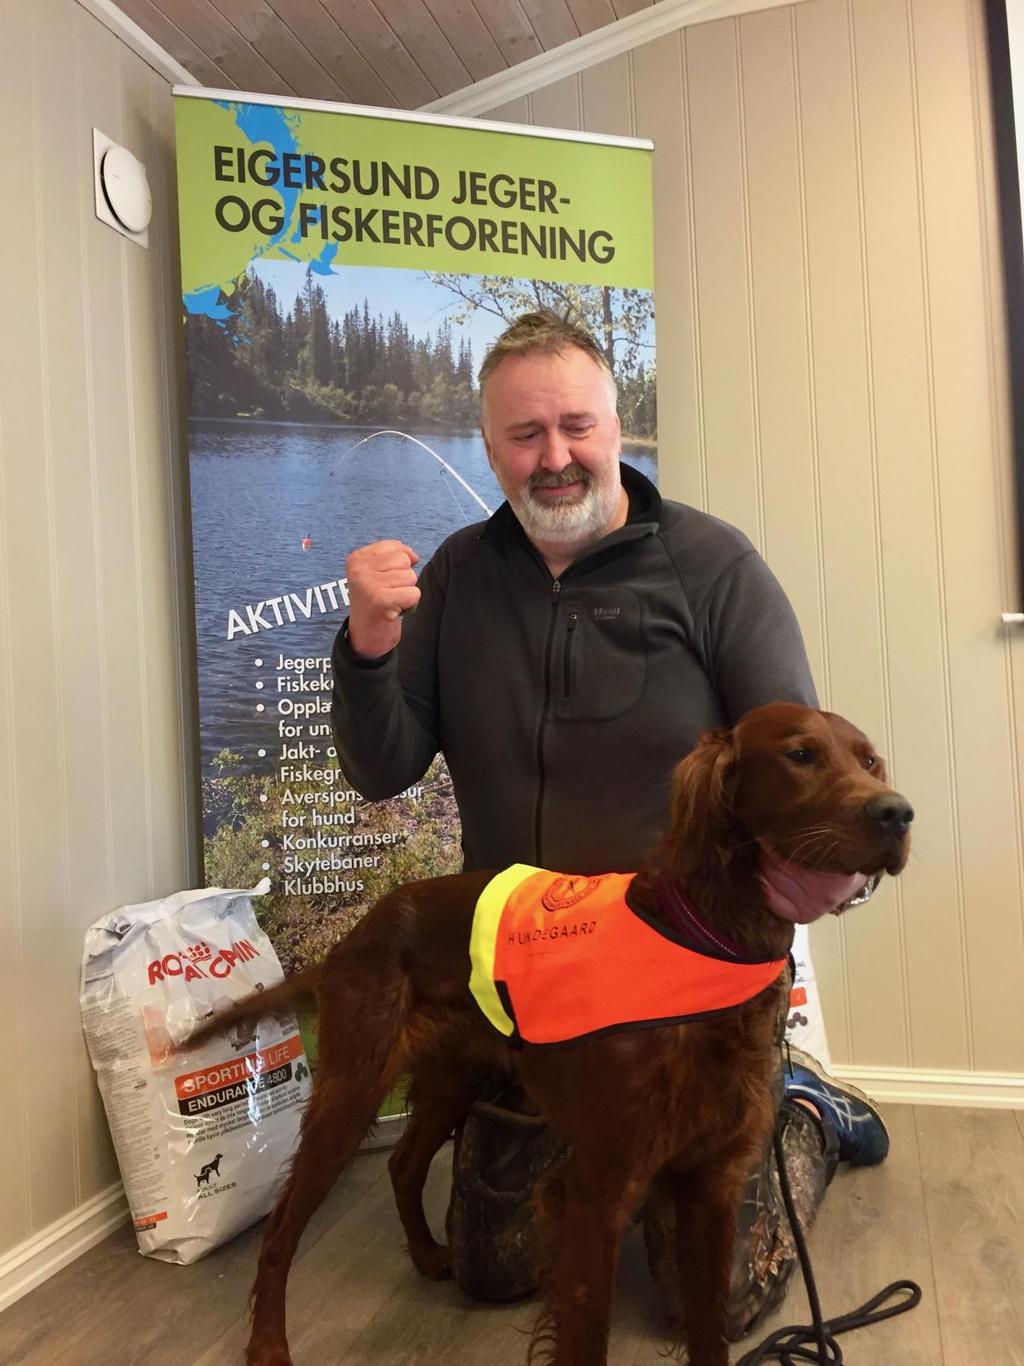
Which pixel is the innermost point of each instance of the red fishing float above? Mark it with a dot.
(307, 542)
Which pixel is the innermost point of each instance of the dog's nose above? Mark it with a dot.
(892, 812)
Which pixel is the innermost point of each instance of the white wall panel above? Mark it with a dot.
(95, 804)
(832, 376)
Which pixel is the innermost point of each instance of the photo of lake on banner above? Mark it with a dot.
(331, 406)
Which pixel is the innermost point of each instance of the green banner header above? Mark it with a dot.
(331, 189)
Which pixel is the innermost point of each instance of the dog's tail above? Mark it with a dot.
(257, 1005)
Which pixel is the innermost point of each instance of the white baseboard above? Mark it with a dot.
(45, 1253)
(385, 1133)
(914, 1086)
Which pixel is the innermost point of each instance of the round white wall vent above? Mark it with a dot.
(126, 188)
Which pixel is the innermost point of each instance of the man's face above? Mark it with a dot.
(553, 439)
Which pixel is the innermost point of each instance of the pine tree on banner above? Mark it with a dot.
(304, 365)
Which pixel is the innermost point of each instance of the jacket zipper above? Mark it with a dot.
(538, 815)
(570, 627)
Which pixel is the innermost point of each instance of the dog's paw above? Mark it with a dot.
(433, 1262)
(257, 1355)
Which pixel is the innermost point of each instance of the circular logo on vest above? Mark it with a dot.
(566, 891)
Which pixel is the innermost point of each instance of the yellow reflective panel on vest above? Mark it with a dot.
(486, 921)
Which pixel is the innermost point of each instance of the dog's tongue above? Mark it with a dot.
(804, 894)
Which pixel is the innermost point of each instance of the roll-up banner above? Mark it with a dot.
(343, 273)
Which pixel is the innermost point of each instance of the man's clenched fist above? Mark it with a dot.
(381, 587)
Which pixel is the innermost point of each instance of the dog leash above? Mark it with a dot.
(795, 1343)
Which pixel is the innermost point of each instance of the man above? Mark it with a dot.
(564, 656)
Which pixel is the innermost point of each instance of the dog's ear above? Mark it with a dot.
(701, 815)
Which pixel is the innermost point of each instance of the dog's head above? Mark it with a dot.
(805, 786)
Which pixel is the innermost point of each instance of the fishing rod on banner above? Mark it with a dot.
(445, 467)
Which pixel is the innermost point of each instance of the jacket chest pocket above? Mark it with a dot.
(600, 659)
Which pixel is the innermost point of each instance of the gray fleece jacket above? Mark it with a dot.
(562, 706)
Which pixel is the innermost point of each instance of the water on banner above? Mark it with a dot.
(279, 506)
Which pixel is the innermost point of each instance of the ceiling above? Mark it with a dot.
(400, 54)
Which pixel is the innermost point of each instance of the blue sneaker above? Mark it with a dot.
(863, 1137)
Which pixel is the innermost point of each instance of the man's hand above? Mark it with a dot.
(381, 587)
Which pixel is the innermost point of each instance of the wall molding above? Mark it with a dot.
(916, 1086)
(47, 1252)
(139, 41)
(666, 16)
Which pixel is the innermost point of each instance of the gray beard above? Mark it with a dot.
(569, 526)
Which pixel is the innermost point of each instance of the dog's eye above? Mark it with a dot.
(871, 761)
(800, 756)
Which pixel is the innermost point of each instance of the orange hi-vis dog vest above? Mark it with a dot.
(556, 959)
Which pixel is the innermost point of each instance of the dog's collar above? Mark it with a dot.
(683, 916)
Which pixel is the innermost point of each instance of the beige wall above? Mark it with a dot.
(95, 806)
(833, 380)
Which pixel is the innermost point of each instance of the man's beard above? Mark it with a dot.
(568, 522)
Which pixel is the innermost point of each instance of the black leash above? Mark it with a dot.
(816, 1342)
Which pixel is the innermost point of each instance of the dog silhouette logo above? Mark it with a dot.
(211, 1168)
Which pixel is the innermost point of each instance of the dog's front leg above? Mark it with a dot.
(591, 1208)
(707, 1203)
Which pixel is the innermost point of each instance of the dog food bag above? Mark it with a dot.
(805, 1024)
(202, 1137)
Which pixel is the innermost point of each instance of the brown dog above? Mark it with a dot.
(687, 1102)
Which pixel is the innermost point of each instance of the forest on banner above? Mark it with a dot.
(302, 364)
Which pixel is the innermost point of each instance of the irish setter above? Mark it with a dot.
(690, 1103)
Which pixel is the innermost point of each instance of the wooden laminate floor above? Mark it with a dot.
(946, 1209)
